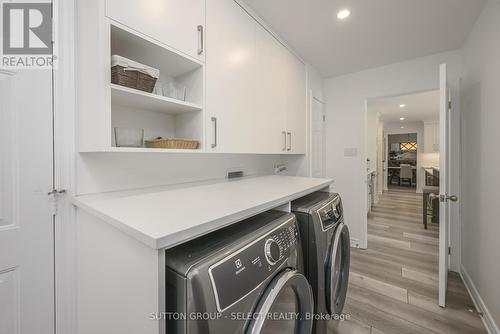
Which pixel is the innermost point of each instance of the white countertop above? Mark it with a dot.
(165, 218)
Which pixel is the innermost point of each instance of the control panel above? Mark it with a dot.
(241, 272)
(331, 214)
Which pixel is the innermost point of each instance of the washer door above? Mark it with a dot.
(337, 271)
(286, 306)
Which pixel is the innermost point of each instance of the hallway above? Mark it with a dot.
(393, 284)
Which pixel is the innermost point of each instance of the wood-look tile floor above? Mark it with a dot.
(393, 284)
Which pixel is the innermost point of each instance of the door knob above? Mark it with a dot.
(445, 198)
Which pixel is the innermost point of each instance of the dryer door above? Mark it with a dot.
(337, 271)
(285, 307)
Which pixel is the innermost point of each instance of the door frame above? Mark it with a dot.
(311, 99)
(64, 170)
(455, 258)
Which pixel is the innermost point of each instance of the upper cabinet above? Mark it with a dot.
(224, 81)
(295, 104)
(431, 137)
(256, 95)
(178, 24)
(230, 84)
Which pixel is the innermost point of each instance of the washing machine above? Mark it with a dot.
(244, 279)
(326, 249)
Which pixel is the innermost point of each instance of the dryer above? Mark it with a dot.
(235, 280)
(326, 248)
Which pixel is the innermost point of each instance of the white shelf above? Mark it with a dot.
(150, 150)
(136, 99)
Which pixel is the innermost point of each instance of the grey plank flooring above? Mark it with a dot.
(393, 287)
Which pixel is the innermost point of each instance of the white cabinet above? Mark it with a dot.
(431, 137)
(231, 124)
(178, 24)
(104, 107)
(255, 98)
(270, 96)
(295, 97)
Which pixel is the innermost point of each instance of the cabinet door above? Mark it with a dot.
(172, 22)
(295, 103)
(269, 109)
(230, 75)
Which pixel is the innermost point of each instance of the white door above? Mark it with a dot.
(230, 71)
(268, 114)
(26, 221)
(295, 104)
(318, 138)
(172, 22)
(444, 184)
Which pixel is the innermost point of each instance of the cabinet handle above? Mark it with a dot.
(284, 141)
(214, 142)
(289, 141)
(200, 40)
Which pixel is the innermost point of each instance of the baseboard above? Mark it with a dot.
(486, 317)
(354, 243)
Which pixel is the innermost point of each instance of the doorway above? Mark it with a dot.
(402, 160)
(405, 128)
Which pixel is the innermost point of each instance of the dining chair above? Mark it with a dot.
(406, 173)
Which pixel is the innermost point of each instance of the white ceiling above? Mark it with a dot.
(378, 32)
(419, 107)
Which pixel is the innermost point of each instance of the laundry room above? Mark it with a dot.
(249, 166)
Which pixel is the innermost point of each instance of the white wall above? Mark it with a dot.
(346, 122)
(481, 160)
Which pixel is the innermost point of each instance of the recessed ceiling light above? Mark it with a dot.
(402, 127)
(343, 14)
(402, 119)
(402, 105)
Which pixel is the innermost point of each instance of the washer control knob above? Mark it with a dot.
(273, 251)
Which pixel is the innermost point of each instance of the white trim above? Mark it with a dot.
(486, 317)
(64, 155)
(355, 243)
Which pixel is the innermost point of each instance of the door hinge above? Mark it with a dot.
(54, 195)
(324, 118)
(449, 250)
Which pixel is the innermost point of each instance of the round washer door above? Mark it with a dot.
(288, 295)
(337, 273)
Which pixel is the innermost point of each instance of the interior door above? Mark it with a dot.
(26, 220)
(318, 138)
(444, 184)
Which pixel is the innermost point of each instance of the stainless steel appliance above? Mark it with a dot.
(236, 280)
(326, 247)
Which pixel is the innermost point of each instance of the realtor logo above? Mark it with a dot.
(27, 35)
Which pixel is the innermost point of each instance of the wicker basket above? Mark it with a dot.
(172, 143)
(132, 79)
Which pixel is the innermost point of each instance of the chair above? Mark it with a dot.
(430, 206)
(406, 173)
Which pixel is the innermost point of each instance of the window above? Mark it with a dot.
(408, 146)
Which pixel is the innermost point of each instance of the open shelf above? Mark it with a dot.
(136, 99)
(150, 150)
